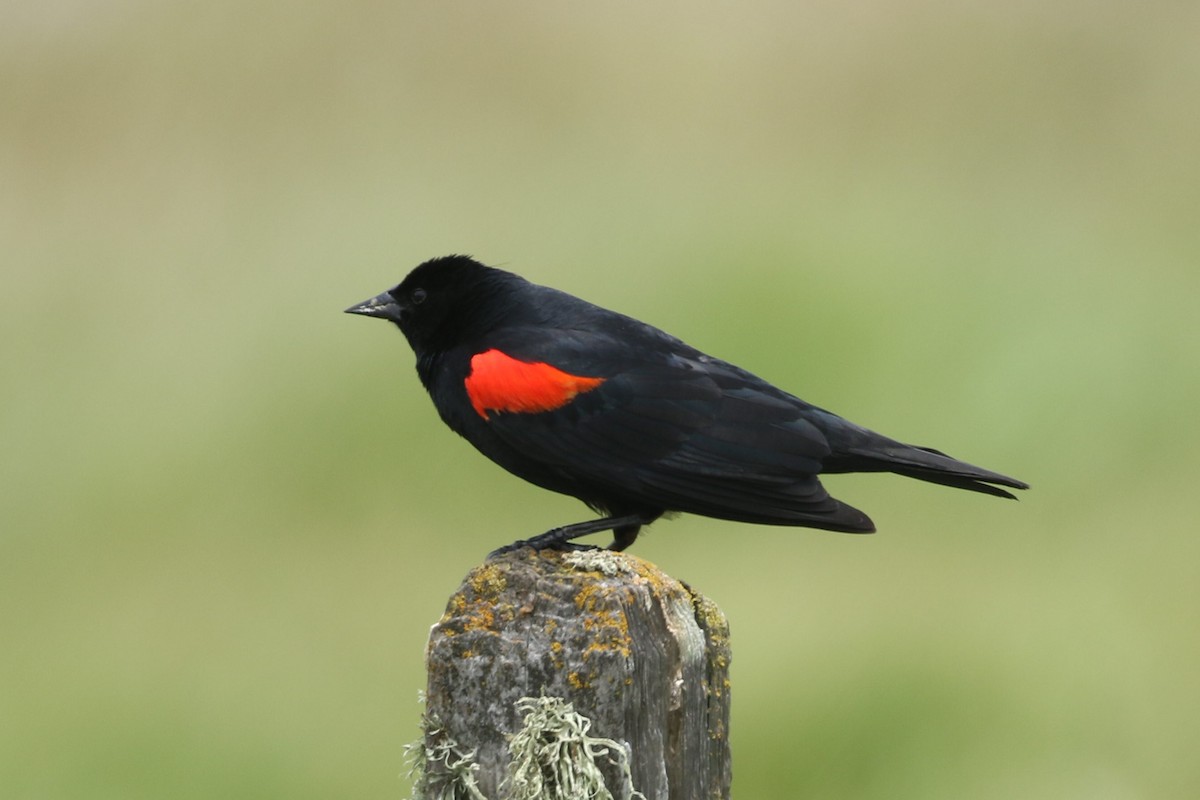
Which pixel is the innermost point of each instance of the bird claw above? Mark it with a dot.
(508, 548)
(538, 546)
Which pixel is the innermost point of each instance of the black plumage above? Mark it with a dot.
(634, 422)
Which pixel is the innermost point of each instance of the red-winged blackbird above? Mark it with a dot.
(635, 423)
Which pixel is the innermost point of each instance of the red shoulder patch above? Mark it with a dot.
(499, 382)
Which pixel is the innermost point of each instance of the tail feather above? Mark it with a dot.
(925, 464)
(957, 481)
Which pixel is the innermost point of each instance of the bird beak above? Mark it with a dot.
(383, 306)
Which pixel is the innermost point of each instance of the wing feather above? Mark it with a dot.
(691, 433)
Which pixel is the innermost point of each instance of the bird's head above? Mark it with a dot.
(442, 302)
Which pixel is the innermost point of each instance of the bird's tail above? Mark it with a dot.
(925, 464)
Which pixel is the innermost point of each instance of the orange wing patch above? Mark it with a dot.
(499, 382)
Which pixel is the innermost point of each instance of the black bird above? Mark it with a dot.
(632, 421)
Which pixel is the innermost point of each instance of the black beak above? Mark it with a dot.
(383, 306)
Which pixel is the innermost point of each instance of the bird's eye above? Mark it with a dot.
(417, 297)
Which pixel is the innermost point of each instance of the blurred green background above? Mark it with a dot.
(230, 515)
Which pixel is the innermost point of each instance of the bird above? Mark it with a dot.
(597, 405)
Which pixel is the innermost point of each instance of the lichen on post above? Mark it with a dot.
(632, 664)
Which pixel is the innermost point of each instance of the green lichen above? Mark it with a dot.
(554, 757)
(606, 562)
(438, 766)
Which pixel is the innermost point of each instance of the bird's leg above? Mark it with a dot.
(625, 529)
(624, 536)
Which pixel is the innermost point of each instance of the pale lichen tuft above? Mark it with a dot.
(554, 757)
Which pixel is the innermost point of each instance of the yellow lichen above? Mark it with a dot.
(481, 617)
(488, 580)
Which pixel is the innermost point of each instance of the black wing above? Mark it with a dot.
(673, 429)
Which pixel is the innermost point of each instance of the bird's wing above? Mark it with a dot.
(665, 426)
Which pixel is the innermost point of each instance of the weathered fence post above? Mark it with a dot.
(551, 672)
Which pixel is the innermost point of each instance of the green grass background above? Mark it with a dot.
(229, 514)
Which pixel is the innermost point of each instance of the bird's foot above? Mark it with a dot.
(625, 527)
(537, 546)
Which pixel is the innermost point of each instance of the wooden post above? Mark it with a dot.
(552, 671)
